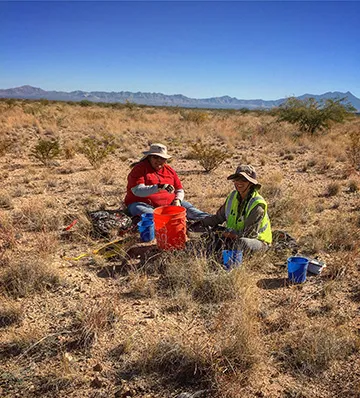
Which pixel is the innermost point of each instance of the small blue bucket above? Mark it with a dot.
(232, 258)
(147, 230)
(297, 268)
(147, 217)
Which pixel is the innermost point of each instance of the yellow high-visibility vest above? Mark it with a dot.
(236, 221)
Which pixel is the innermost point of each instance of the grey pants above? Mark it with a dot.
(251, 245)
(215, 243)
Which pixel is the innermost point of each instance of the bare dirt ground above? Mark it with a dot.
(169, 323)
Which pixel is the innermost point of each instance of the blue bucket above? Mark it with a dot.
(147, 217)
(232, 258)
(297, 268)
(147, 231)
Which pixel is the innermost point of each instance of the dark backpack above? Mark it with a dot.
(109, 223)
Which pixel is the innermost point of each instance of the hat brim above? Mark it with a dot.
(236, 175)
(161, 155)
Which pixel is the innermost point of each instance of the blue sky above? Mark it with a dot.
(245, 49)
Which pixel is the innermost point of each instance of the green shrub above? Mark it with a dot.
(96, 150)
(311, 115)
(45, 151)
(208, 156)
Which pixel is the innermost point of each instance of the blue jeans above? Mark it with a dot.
(192, 213)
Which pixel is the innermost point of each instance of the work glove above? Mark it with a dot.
(166, 187)
(176, 202)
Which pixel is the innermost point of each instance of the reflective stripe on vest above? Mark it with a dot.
(229, 203)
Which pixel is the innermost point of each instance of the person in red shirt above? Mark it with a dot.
(153, 183)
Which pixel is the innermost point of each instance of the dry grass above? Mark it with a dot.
(10, 313)
(38, 216)
(25, 277)
(175, 322)
(90, 322)
(311, 351)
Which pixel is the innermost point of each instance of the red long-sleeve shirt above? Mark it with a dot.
(144, 173)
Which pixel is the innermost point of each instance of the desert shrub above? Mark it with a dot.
(45, 151)
(197, 117)
(96, 150)
(311, 115)
(25, 277)
(209, 156)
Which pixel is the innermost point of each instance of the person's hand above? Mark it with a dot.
(176, 202)
(166, 187)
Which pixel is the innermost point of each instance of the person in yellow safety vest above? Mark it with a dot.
(245, 213)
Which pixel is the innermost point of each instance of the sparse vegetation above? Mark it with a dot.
(312, 116)
(46, 151)
(311, 352)
(96, 150)
(24, 277)
(158, 323)
(332, 189)
(209, 156)
(197, 117)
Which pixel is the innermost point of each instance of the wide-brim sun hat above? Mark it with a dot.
(247, 171)
(157, 150)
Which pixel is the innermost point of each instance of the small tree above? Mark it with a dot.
(96, 150)
(208, 156)
(45, 151)
(311, 115)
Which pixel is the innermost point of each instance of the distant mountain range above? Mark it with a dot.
(225, 102)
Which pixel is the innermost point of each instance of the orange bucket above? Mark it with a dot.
(170, 227)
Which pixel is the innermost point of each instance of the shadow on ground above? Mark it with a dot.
(137, 257)
(272, 283)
